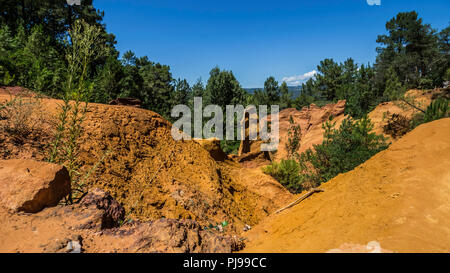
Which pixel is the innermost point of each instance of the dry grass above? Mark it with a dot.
(21, 118)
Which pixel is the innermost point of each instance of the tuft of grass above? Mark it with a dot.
(19, 116)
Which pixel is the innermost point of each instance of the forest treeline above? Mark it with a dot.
(34, 42)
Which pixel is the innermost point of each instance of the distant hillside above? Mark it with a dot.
(295, 90)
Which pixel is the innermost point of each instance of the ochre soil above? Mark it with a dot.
(399, 198)
(149, 173)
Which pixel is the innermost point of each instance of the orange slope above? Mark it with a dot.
(399, 198)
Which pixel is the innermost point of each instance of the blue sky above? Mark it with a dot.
(256, 39)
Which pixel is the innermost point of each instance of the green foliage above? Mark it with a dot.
(182, 92)
(219, 227)
(425, 83)
(303, 100)
(285, 97)
(223, 89)
(411, 55)
(394, 89)
(7, 46)
(294, 137)
(272, 91)
(272, 94)
(412, 49)
(84, 49)
(329, 78)
(341, 81)
(447, 75)
(436, 110)
(287, 172)
(230, 146)
(341, 150)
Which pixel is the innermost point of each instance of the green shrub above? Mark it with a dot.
(64, 148)
(294, 137)
(425, 83)
(287, 172)
(230, 146)
(436, 110)
(341, 150)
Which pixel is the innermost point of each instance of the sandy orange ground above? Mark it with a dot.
(399, 198)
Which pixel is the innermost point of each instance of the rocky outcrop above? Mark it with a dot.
(152, 175)
(111, 212)
(96, 225)
(212, 145)
(30, 186)
(126, 102)
(310, 120)
(167, 236)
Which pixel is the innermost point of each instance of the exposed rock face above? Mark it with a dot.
(111, 211)
(310, 120)
(147, 171)
(212, 145)
(167, 236)
(126, 101)
(88, 227)
(30, 186)
(422, 98)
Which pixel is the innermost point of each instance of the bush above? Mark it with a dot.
(341, 150)
(287, 172)
(230, 146)
(294, 137)
(397, 125)
(436, 110)
(425, 83)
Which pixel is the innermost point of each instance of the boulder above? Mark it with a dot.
(30, 186)
(106, 211)
(212, 145)
(166, 236)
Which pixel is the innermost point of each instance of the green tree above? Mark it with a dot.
(109, 81)
(285, 96)
(223, 89)
(394, 89)
(361, 95)
(410, 48)
(329, 78)
(8, 45)
(157, 89)
(182, 92)
(341, 150)
(272, 90)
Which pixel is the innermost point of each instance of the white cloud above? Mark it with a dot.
(299, 79)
